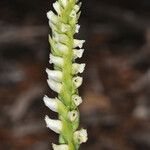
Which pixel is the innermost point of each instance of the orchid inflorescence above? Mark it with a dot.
(64, 78)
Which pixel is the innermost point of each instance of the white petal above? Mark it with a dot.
(77, 81)
(64, 27)
(60, 37)
(73, 14)
(77, 100)
(52, 17)
(78, 43)
(77, 28)
(64, 2)
(78, 53)
(60, 147)
(58, 61)
(62, 48)
(55, 86)
(54, 74)
(76, 8)
(80, 136)
(54, 125)
(57, 7)
(78, 68)
(73, 115)
(51, 103)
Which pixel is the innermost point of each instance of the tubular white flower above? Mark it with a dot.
(60, 147)
(77, 100)
(54, 74)
(52, 17)
(78, 53)
(77, 81)
(60, 37)
(80, 136)
(53, 124)
(73, 14)
(62, 48)
(57, 7)
(76, 8)
(78, 43)
(58, 61)
(77, 28)
(51, 103)
(55, 86)
(73, 115)
(78, 68)
(64, 2)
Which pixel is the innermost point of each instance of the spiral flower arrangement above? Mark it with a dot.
(64, 79)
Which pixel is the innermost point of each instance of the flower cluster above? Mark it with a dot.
(64, 79)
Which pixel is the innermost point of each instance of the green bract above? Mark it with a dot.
(64, 79)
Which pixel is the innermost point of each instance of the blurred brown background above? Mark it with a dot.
(116, 89)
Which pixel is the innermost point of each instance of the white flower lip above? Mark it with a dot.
(60, 147)
(55, 86)
(77, 100)
(78, 53)
(54, 74)
(80, 136)
(51, 103)
(77, 28)
(78, 68)
(54, 125)
(57, 7)
(58, 61)
(77, 81)
(52, 17)
(78, 43)
(73, 115)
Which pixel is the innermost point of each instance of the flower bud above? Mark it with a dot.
(80, 136)
(55, 86)
(73, 115)
(51, 103)
(77, 81)
(76, 8)
(77, 100)
(57, 7)
(64, 3)
(78, 68)
(54, 74)
(60, 147)
(78, 53)
(53, 124)
(58, 61)
(73, 14)
(78, 43)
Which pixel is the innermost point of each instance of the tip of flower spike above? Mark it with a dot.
(54, 125)
(60, 147)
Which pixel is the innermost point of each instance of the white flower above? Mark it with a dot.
(78, 43)
(60, 37)
(77, 81)
(51, 103)
(62, 48)
(57, 7)
(78, 68)
(78, 53)
(64, 2)
(73, 115)
(77, 28)
(54, 74)
(58, 61)
(55, 86)
(53, 124)
(77, 100)
(80, 136)
(60, 147)
(52, 17)
(76, 8)
(64, 27)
